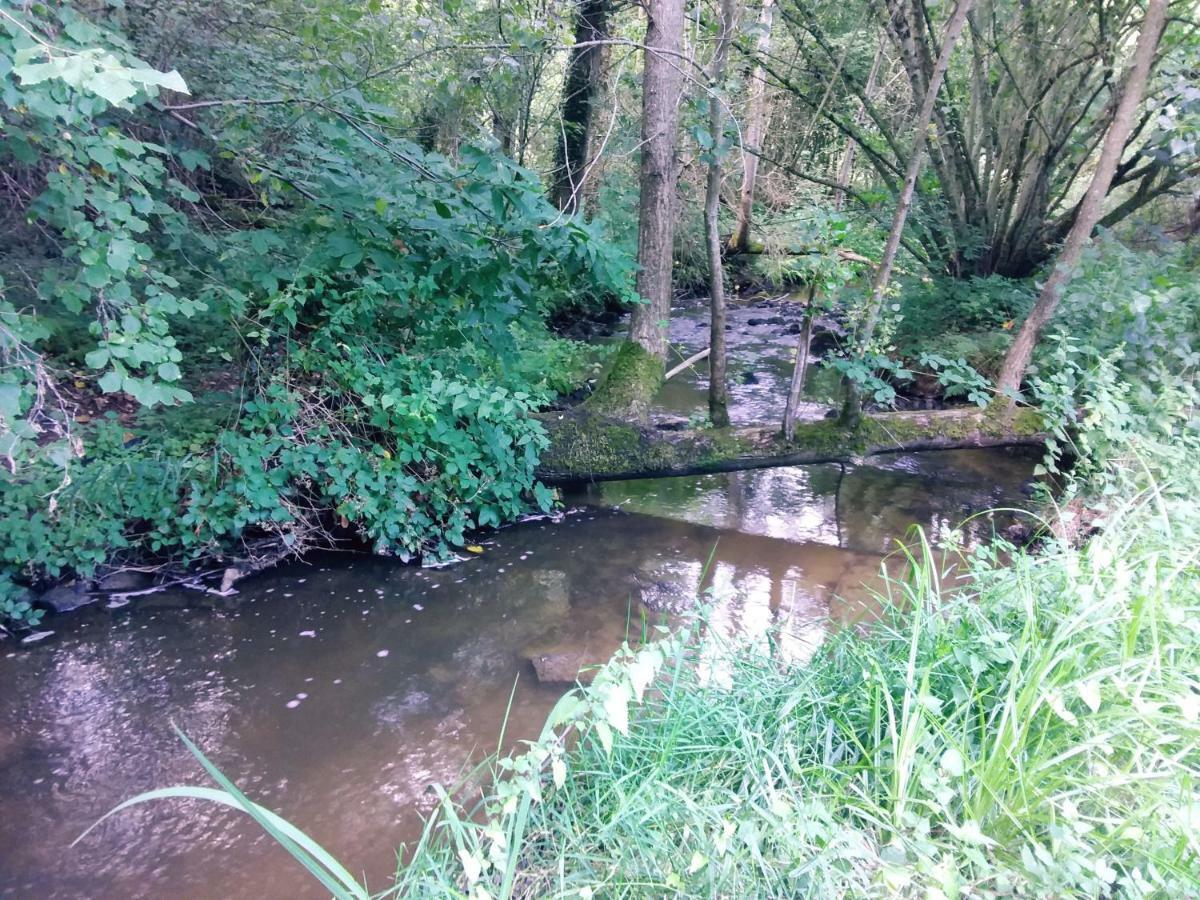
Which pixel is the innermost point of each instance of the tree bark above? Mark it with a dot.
(883, 273)
(718, 394)
(803, 344)
(635, 371)
(756, 121)
(584, 69)
(1016, 361)
(846, 168)
(661, 88)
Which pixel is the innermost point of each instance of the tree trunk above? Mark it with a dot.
(803, 343)
(636, 370)
(580, 92)
(661, 88)
(883, 273)
(718, 395)
(1016, 361)
(756, 120)
(846, 169)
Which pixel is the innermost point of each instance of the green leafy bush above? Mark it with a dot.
(1117, 377)
(931, 308)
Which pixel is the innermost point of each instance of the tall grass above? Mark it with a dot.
(1036, 733)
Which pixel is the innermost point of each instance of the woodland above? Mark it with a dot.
(269, 286)
(288, 275)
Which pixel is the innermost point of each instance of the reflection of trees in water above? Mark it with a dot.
(877, 504)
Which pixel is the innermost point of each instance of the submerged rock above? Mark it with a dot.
(122, 581)
(565, 666)
(67, 597)
(824, 340)
(662, 596)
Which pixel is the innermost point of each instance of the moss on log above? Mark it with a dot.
(628, 384)
(586, 446)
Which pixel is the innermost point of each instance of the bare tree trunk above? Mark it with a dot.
(756, 122)
(883, 273)
(846, 169)
(803, 345)
(718, 394)
(1017, 359)
(661, 88)
(635, 372)
(580, 93)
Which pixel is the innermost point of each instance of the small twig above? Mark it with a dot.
(694, 358)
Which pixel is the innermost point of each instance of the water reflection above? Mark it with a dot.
(863, 507)
(337, 692)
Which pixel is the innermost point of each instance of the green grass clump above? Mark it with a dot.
(1034, 734)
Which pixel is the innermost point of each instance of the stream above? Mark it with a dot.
(337, 690)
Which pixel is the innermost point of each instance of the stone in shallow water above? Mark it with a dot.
(563, 666)
(122, 581)
(67, 597)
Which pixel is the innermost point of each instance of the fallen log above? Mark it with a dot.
(585, 446)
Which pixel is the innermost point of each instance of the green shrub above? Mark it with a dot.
(931, 308)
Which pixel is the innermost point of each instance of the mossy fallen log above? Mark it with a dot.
(587, 446)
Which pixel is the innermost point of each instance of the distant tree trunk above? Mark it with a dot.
(718, 395)
(803, 344)
(846, 169)
(756, 120)
(1017, 359)
(883, 273)
(661, 88)
(502, 131)
(579, 103)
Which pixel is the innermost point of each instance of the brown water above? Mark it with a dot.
(337, 692)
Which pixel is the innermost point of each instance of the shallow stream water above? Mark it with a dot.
(336, 691)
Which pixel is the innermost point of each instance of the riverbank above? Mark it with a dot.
(1036, 734)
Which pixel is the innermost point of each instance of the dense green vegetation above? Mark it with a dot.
(351, 329)
(295, 273)
(279, 275)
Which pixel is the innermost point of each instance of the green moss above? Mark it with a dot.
(1002, 416)
(629, 383)
(584, 445)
